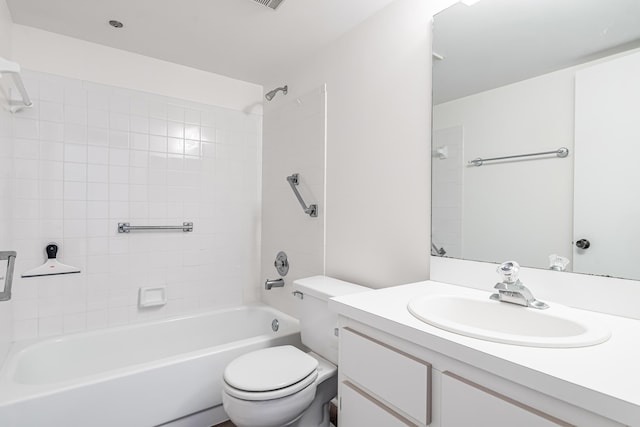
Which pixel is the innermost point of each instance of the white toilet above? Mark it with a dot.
(284, 386)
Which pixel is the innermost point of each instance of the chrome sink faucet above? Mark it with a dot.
(511, 288)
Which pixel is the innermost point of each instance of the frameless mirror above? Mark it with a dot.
(536, 135)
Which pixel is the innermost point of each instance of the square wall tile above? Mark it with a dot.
(98, 118)
(88, 156)
(50, 131)
(76, 115)
(75, 153)
(97, 136)
(51, 112)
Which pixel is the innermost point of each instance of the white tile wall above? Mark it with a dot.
(88, 156)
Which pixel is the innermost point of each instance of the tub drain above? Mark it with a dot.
(275, 325)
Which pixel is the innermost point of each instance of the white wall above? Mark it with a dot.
(53, 53)
(378, 153)
(6, 170)
(294, 142)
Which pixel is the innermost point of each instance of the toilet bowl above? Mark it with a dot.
(279, 386)
(284, 386)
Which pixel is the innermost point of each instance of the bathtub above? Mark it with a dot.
(165, 373)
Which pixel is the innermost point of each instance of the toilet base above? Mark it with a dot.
(316, 399)
(317, 414)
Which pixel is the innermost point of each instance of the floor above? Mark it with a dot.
(333, 413)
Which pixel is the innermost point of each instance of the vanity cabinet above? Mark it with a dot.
(385, 381)
(465, 403)
(361, 409)
(380, 379)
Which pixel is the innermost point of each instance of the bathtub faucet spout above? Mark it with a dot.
(273, 284)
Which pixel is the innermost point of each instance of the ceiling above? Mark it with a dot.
(237, 38)
(498, 42)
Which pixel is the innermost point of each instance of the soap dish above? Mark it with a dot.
(152, 297)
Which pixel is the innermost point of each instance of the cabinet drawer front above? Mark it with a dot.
(465, 403)
(359, 410)
(387, 373)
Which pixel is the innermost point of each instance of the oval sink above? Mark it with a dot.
(558, 326)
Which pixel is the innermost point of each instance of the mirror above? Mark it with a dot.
(518, 77)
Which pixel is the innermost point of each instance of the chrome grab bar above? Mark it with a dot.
(125, 227)
(437, 251)
(10, 257)
(560, 152)
(311, 210)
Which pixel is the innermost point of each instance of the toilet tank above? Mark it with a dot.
(317, 323)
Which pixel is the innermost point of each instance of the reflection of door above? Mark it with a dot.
(607, 168)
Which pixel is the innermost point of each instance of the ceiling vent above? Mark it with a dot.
(273, 4)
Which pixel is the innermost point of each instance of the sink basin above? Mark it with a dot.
(558, 326)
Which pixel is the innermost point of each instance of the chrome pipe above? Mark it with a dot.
(269, 95)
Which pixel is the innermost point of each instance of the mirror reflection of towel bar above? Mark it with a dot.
(560, 152)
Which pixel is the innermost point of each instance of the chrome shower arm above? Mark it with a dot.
(311, 210)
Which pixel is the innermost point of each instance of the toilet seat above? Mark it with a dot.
(270, 373)
(273, 394)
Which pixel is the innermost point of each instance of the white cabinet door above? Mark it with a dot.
(399, 379)
(357, 409)
(607, 149)
(466, 404)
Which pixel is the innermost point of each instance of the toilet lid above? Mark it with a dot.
(269, 369)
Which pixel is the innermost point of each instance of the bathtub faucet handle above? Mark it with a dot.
(278, 283)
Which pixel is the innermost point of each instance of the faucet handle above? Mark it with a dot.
(509, 271)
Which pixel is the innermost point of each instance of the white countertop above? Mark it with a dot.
(604, 378)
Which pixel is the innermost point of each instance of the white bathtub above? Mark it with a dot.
(141, 375)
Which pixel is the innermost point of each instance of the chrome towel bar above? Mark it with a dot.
(125, 227)
(311, 210)
(560, 152)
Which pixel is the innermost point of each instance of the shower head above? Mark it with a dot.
(269, 96)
